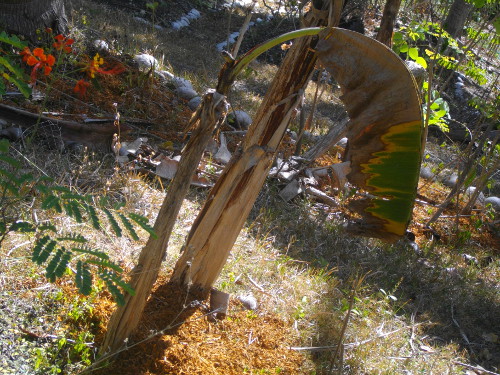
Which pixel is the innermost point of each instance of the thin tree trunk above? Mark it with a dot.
(25, 17)
(391, 10)
(457, 16)
(126, 318)
(217, 226)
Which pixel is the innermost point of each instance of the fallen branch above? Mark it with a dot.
(94, 136)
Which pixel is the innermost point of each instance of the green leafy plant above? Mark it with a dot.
(10, 69)
(59, 251)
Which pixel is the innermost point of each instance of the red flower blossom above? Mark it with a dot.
(81, 88)
(63, 43)
(38, 59)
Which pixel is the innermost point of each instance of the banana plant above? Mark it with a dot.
(384, 129)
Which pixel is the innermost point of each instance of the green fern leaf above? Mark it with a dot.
(113, 222)
(122, 284)
(68, 208)
(47, 226)
(113, 289)
(87, 250)
(143, 222)
(44, 253)
(73, 196)
(77, 214)
(83, 278)
(50, 271)
(75, 237)
(93, 216)
(4, 145)
(22, 226)
(39, 244)
(128, 225)
(52, 201)
(105, 264)
(13, 162)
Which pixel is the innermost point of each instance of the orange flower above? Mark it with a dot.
(63, 43)
(38, 59)
(94, 67)
(81, 88)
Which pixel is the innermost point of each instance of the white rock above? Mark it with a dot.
(182, 82)
(145, 61)
(185, 92)
(194, 103)
(451, 180)
(221, 46)
(101, 45)
(239, 119)
(223, 155)
(193, 14)
(176, 25)
(159, 27)
(259, 20)
(426, 172)
(165, 74)
(141, 20)
(184, 22)
(249, 302)
(343, 142)
(471, 190)
(234, 35)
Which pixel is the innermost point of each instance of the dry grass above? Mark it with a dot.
(412, 313)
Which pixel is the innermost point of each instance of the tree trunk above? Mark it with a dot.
(391, 10)
(217, 226)
(25, 17)
(457, 16)
(126, 318)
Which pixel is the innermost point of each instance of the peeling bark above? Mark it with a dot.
(217, 226)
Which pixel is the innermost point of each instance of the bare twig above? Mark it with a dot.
(476, 368)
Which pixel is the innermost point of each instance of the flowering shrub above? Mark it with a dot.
(38, 59)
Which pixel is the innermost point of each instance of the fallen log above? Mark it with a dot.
(94, 136)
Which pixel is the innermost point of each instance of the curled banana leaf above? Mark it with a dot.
(384, 131)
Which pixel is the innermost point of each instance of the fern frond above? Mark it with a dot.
(143, 222)
(75, 237)
(87, 250)
(52, 201)
(113, 222)
(58, 264)
(94, 219)
(22, 226)
(72, 206)
(128, 225)
(10, 160)
(113, 289)
(83, 278)
(105, 264)
(47, 226)
(45, 252)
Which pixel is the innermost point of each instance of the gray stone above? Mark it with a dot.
(451, 180)
(194, 103)
(494, 201)
(417, 70)
(342, 142)
(426, 172)
(146, 61)
(239, 119)
(249, 302)
(185, 93)
(181, 82)
(101, 45)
